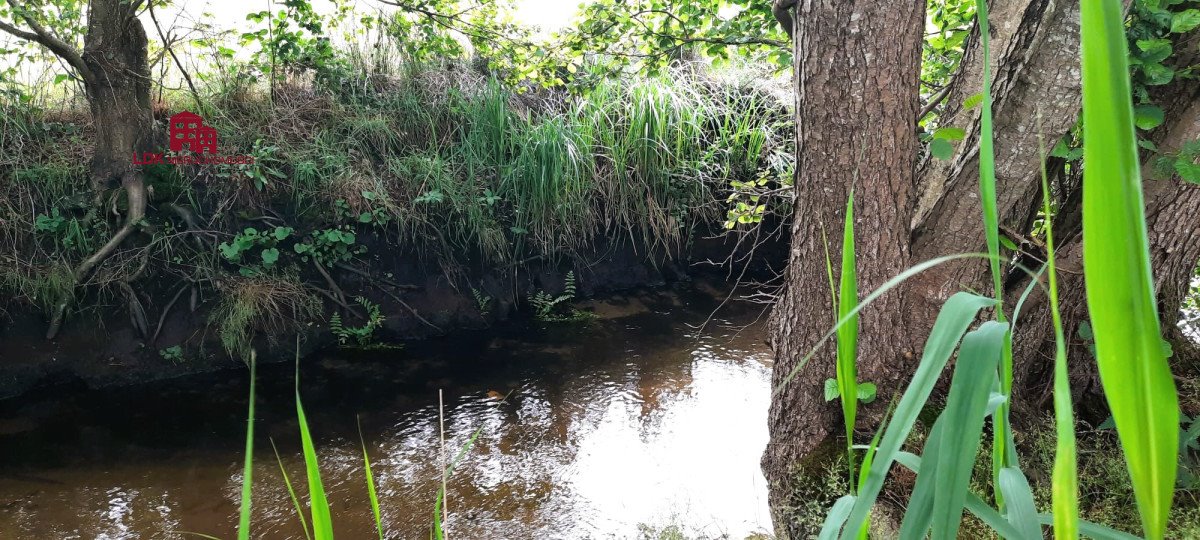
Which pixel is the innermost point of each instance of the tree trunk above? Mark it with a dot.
(857, 103)
(905, 217)
(118, 90)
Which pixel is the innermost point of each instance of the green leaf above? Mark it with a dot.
(371, 484)
(952, 322)
(1188, 170)
(950, 134)
(1147, 117)
(966, 405)
(1120, 288)
(248, 466)
(1185, 21)
(972, 101)
(61, 78)
(321, 520)
(1008, 243)
(831, 389)
(270, 256)
(941, 149)
(866, 392)
(836, 517)
(1154, 50)
(1018, 497)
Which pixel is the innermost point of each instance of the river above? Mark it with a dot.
(620, 427)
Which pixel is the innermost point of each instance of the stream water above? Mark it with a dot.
(613, 428)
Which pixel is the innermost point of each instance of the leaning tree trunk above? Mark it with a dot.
(857, 103)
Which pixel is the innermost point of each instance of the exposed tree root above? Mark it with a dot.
(135, 193)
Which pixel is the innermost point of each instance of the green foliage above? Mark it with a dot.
(330, 246)
(173, 354)
(244, 513)
(241, 249)
(1121, 302)
(358, 336)
(552, 308)
(483, 302)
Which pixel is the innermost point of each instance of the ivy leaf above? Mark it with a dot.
(866, 392)
(1185, 21)
(270, 256)
(1147, 117)
(1188, 169)
(941, 149)
(1154, 50)
(831, 389)
(950, 134)
(1158, 74)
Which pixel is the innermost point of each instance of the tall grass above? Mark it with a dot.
(1120, 288)
(248, 468)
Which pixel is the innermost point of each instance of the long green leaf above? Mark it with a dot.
(248, 467)
(287, 482)
(1022, 511)
(322, 522)
(1120, 289)
(439, 532)
(836, 517)
(919, 513)
(847, 334)
(966, 408)
(371, 484)
(1064, 483)
(952, 322)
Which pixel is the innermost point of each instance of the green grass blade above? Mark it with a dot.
(974, 504)
(868, 300)
(322, 522)
(836, 517)
(1064, 482)
(438, 533)
(371, 484)
(966, 407)
(1022, 511)
(919, 514)
(847, 335)
(952, 322)
(1120, 289)
(248, 467)
(287, 481)
(1092, 530)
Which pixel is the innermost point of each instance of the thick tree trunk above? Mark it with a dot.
(857, 103)
(1171, 209)
(841, 66)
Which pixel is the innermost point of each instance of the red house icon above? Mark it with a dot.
(188, 129)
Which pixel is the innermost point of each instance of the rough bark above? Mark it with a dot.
(115, 70)
(857, 102)
(1171, 209)
(1036, 93)
(118, 91)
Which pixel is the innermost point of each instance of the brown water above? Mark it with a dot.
(631, 421)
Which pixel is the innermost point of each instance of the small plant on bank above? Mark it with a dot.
(252, 239)
(552, 308)
(173, 354)
(361, 337)
(330, 246)
(483, 302)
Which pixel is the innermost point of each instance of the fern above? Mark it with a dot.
(545, 305)
(361, 336)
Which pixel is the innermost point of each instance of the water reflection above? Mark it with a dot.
(626, 421)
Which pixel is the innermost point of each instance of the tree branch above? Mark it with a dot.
(46, 39)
